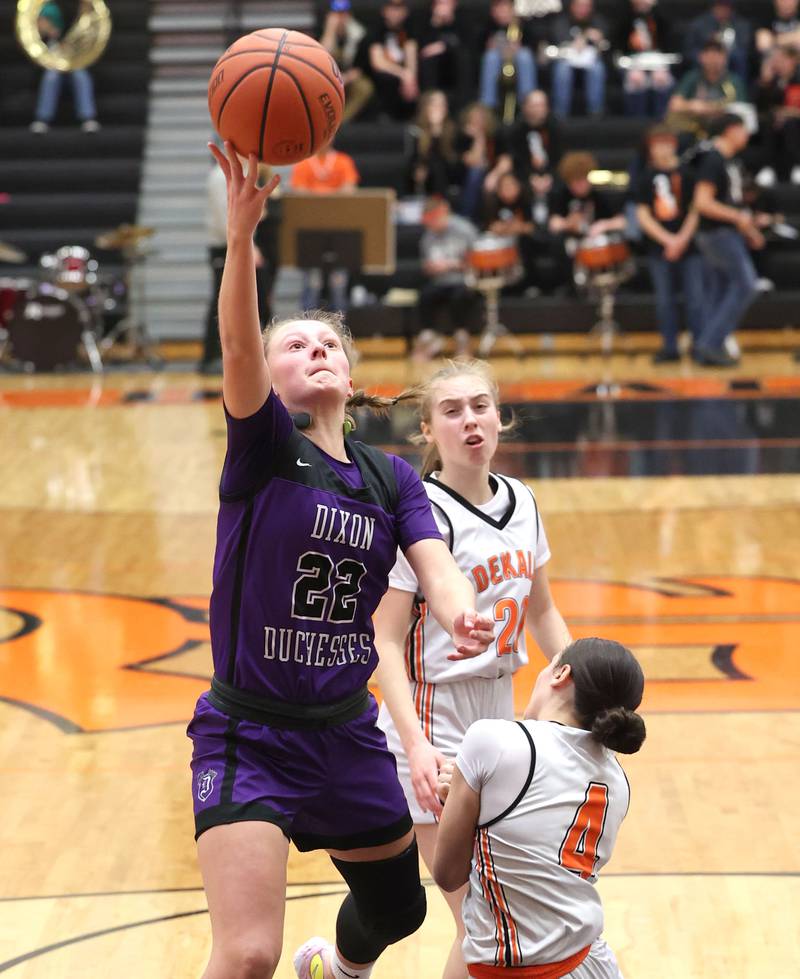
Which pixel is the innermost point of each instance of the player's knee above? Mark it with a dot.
(404, 921)
(387, 895)
(250, 959)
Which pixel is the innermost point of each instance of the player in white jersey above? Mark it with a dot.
(532, 814)
(496, 534)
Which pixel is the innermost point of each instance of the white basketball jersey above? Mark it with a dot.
(552, 801)
(498, 546)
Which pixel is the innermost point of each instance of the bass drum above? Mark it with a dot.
(46, 327)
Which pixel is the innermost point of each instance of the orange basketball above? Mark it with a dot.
(277, 94)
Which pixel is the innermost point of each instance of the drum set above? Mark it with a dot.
(60, 317)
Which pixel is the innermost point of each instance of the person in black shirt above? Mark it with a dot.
(577, 209)
(444, 46)
(582, 36)
(393, 60)
(644, 31)
(777, 98)
(532, 145)
(342, 37)
(476, 144)
(779, 28)
(727, 230)
(432, 156)
(664, 209)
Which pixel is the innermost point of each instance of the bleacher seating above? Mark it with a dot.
(378, 147)
(65, 187)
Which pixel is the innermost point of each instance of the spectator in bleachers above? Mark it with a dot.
(582, 38)
(645, 31)
(531, 145)
(432, 156)
(476, 144)
(578, 209)
(506, 43)
(507, 213)
(735, 33)
(445, 45)
(778, 104)
(327, 172)
(779, 27)
(393, 60)
(664, 210)
(705, 92)
(727, 233)
(343, 37)
(446, 303)
(51, 27)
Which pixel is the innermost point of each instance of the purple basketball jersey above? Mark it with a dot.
(305, 544)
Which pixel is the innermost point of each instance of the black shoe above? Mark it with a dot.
(666, 356)
(707, 357)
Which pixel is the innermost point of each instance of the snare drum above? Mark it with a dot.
(602, 253)
(493, 256)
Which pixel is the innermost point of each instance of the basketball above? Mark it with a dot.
(277, 94)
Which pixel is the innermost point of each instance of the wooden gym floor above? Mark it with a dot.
(671, 503)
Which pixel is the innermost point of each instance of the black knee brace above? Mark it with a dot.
(386, 903)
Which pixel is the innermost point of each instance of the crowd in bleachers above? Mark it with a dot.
(484, 91)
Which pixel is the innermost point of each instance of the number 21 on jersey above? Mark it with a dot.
(578, 851)
(512, 614)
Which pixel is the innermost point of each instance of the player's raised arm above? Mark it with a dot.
(450, 597)
(245, 376)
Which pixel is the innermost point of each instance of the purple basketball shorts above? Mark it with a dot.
(335, 788)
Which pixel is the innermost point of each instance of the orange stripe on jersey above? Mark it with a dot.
(509, 952)
(415, 643)
(553, 971)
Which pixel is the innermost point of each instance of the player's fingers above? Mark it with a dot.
(221, 159)
(252, 170)
(433, 792)
(237, 174)
(270, 185)
(481, 635)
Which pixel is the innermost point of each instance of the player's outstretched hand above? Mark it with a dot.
(472, 634)
(246, 200)
(445, 778)
(425, 762)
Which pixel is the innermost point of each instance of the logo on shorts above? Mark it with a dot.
(205, 784)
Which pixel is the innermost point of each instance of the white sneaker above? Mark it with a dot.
(764, 285)
(309, 960)
(794, 176)
(731, 346)
(90, 126)
(766, 177)
(39, 127)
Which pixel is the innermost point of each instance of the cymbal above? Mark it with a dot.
(8, 253)
(124, 236)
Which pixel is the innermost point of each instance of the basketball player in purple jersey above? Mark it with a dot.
(285, 742)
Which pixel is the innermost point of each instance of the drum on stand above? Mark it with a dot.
(47, 328)
(493, 263)
(602, 264)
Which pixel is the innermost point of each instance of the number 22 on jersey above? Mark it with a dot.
(578, 851)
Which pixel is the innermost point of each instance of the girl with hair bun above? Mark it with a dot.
(493, 527)
(540, 803)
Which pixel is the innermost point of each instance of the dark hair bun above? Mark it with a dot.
(619, 729)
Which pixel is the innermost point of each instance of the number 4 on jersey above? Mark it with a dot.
(578, 851)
